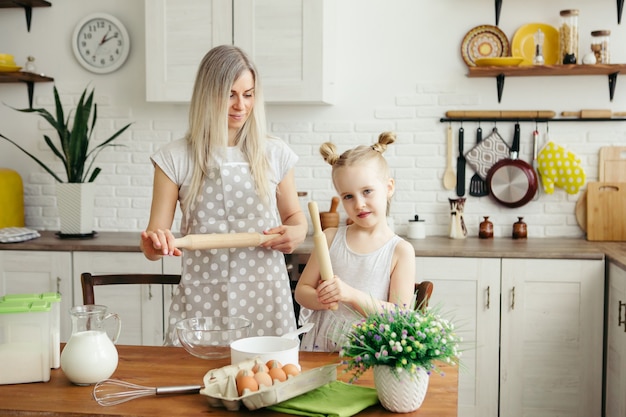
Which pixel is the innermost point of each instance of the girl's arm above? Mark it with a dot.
(294, 226)
(157, 240)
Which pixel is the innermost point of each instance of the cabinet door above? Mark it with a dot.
(178, 34)
(551, 337)
(171, 265)
(467, 290)
(140, 307)
(291, 42)
(615, 401)
(25, 272)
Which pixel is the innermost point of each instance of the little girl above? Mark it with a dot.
(373, 266)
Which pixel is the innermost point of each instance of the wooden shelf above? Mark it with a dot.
(27, 5)
(611, 70)
(26, 77)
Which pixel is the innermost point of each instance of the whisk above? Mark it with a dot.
(114, 391)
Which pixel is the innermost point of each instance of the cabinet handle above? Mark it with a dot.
(59, 285)
(149, 291)
(488, 297)
(513, 298)
(621, 319)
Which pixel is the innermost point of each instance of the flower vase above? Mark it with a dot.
(400, 392)
(75, 202)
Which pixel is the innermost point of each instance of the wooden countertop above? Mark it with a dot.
(166, 366)
(433, 246)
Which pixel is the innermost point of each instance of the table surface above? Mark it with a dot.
(166, 366)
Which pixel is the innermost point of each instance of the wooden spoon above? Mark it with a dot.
(449, 176)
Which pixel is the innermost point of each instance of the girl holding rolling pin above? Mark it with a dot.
(373, 267)
(228, 176)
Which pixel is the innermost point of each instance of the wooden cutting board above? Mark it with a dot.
(606, 205)
(611, 168)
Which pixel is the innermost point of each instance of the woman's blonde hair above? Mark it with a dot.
(207, 136)
(359, 155)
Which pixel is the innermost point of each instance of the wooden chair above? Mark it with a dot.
(423, 291)
(88, 281)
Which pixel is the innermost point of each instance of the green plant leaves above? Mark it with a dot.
(73, 148)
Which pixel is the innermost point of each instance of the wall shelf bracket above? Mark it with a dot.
(612, 82)
(620, 7)
(500, 86)
(499, 7)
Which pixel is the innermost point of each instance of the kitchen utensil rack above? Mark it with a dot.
(529, 119)
(620, 8)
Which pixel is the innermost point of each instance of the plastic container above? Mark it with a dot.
(568, 37)
(416, 228)
(600, 46)
(55, 319)
(24, 342)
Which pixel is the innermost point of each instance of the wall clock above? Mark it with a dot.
(101, 43)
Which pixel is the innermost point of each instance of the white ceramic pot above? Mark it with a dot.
(281, 348)
(400, 392)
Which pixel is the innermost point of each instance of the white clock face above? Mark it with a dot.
(101, 43)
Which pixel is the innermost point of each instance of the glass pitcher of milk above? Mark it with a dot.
(90, 354)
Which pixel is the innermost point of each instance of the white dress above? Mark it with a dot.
(369, 272)
(247, 282)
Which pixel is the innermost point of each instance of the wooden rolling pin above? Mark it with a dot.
(593, 114)
(222, 240)
(321, 245)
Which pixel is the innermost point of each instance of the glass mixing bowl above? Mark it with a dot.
(210, 337)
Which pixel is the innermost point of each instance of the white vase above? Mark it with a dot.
(400, 392)
(75, 202)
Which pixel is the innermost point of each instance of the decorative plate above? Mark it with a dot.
(503, 61)
(485, 41)
(9, 68)
(523, 43)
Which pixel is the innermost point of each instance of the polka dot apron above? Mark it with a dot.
(246, 282)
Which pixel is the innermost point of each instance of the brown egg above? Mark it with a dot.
(246, 383)
(273, 363)
(277, 373)
(291, 369)
(244, 372)
(260, 367)
(263, 378)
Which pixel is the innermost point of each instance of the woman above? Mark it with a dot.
(228, 176)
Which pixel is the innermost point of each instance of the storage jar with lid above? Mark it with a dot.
(600, 46)
(485, 229)
(568, 36)
(416, 229)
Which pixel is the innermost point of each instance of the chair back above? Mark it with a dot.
(88, 281)
(423, 291)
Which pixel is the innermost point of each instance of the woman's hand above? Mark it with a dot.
(157, 243)
(290, 237)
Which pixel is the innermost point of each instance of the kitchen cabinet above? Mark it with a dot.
(171, 265)
(140, 307)
(615, 400)
(533, 329)
(35, 272)
(290, 41)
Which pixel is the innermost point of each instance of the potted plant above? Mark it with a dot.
(75, 195)
(402, 345)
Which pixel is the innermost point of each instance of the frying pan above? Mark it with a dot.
(512, 182)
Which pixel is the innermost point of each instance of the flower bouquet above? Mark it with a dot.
(401, 338)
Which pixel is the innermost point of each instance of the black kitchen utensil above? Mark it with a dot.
(460, 166)
(478, 186)
(512, 182)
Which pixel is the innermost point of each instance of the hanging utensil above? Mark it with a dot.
(114, 391)
(460, 166)
(535, 162)
(512, 182)
(478, 186)
(449, 178)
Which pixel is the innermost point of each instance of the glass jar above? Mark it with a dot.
(519, 229)
(568, 36)
(600, 46)
(485, 229)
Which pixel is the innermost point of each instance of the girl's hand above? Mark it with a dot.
(159, 243)
(331, 292)
(289, 239)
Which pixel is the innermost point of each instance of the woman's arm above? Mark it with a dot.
(294, 226)
(157, 240)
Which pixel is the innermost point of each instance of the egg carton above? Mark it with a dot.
(221, 389)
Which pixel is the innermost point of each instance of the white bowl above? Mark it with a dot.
(283, 349)
(210, 337)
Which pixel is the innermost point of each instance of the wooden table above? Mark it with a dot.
(162, 366)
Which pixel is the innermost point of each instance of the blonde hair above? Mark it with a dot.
(358, 155)
(207, 136)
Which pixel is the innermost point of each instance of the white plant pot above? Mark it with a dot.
(75, 202)
(401, 392)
